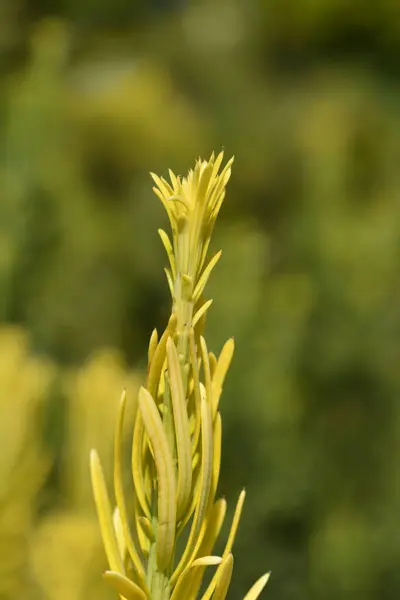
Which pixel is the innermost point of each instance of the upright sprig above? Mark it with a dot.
(176, 447)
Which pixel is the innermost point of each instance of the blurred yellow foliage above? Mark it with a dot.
(67, 552)
(60, 555)
(24, 381)
(93, 395)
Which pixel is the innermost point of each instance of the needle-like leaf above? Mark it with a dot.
(119, 492)
(257, 588)
(221, 369)
(202, 281)
(105, 514)
(156, 366)
(169, 250)
(224, 579)
(165, 535)
(152, 347)
(181, 422)
(205, 485)
(228, 547)
(213, 525)
(199, 313)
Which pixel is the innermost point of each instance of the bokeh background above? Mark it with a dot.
(306, 93)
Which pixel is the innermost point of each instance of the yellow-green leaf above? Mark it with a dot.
(216, 455)
(152, 347)
(207, 370)
(223, 179)
(156, 366)
(169, 208)
(169, 250)
(137, 465)
(162, 185)
(221, 369)
(174, 180)
(146, 528)
(105, 514)
(205, 485)
(119, 492)
(203, 183)
(206, 561)
(181, 422)
(182, 590)
(119, 534)
(201, 284)
(124, 586)
(212, 529)
(257, 588)
(216, 164)
(165, 478)
(224, 578)
(228, 547)
(235, 523)
(213, 363)
(199, 313)
(197, 392)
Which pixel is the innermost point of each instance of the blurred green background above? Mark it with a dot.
(94, 94)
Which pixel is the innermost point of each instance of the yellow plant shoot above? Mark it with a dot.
(176, 442)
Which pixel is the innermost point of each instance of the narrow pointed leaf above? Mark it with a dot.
(156, 366)
(170, 281)
(235, 523)
(213, 363)
(203, 183)
(205, 485)
(197, 392)
(161, 185)
(217, 444)
(207, 371)
(217, 164)
(165, 478)
(213, 526)
(223, 179)
(119, 534)
(167, 185)
(104, 514)
(169, 208)
(119, 492)
(202, 310)
(257, 588)
(174, 180)
(221, 369)
(201, 284)
(168, 416)
(169, 250)
(152, 347)
(228, 547)
(181, 422)
(137, 465)
(224, 578)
